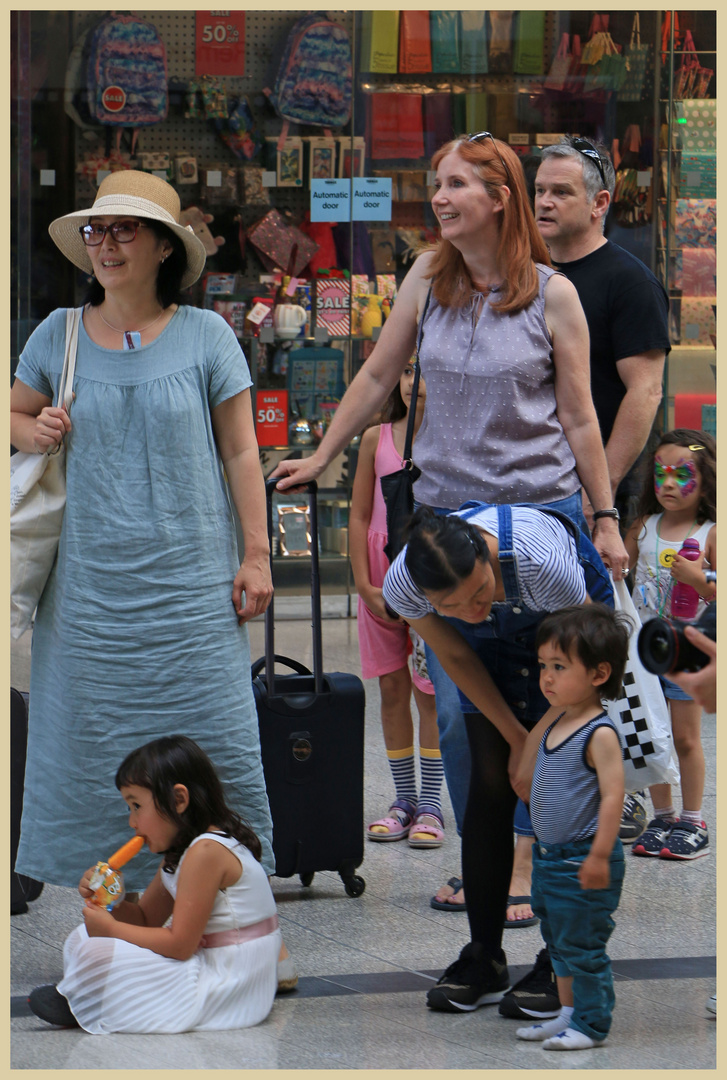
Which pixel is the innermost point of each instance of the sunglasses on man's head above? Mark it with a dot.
(488, 135)
(584, 147)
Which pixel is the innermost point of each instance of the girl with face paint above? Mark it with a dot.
(679, 501)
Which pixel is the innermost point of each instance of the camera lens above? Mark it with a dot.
(660, 645)
(663, 646)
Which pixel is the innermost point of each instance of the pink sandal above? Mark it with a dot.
(394, 827)
(422, 832)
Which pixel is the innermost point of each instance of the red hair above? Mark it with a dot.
(520, 245)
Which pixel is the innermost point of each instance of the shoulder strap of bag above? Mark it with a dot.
(409, 437)
(65, 390)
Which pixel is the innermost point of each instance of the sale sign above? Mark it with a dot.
(219, 43)
(271, 416)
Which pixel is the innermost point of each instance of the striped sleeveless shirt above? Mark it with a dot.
(565, 797)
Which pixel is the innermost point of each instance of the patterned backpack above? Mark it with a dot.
(313, 84)
(126, 73)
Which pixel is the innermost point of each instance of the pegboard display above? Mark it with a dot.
(265, 35)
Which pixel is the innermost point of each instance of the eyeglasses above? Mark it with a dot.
(584, 147)
(121, 231)
(488, 135)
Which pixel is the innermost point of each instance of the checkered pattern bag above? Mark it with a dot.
(641, 714)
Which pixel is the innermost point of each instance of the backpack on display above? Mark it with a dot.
(75, 95)
(126, 73)
(313, 84)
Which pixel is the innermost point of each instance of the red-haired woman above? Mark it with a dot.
(509, 416)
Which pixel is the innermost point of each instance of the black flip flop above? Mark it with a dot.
(516, 924)
(442, 905)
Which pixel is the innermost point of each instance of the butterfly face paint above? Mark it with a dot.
(684, 473)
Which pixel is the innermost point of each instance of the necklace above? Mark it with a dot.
(665, 559)
(140, 331)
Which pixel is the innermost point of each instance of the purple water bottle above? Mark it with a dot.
(685, 598)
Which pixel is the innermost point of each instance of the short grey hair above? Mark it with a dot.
(591, 176)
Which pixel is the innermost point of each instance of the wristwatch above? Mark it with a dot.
(612, 513)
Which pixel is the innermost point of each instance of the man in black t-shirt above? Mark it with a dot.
(626, 307)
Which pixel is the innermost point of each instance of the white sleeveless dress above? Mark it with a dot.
(114, 986)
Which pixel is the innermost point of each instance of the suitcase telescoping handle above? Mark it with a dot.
(315, 591)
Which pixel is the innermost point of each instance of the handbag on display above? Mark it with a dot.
(274, 241)
(557, 76)
(37, 504)
(691, 79)
(398, 487)
(607, 67)
(641, 714)
(638, 57)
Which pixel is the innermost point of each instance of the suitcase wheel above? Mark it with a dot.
(305, 879)
(354, 885)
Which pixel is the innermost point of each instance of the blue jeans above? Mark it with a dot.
(576, 924)
(453, 742)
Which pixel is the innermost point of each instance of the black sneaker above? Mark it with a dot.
(472, 980)
(49, 1005)
(633, 817)
(536, 994)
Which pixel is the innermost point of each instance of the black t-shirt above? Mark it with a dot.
(627, 313)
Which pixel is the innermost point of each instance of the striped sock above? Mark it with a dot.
(694, 817)
(432, 773)
(401, 763)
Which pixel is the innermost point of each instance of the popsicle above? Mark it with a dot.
(106, 881)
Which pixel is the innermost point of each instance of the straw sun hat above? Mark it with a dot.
(136, 194)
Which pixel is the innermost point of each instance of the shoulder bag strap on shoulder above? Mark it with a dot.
(409, 437)
(65, 390)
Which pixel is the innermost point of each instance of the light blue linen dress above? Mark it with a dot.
(135, 635)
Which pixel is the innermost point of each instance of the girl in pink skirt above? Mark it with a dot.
(385, 643)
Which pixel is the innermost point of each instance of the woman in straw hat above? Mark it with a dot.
(141, 627)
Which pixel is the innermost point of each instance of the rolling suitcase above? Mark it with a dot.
(312, 744)
(22, 889)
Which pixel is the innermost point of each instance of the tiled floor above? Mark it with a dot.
(365, 964)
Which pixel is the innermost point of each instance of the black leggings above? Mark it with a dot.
(487, 834)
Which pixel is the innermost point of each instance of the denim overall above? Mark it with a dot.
(505, 642)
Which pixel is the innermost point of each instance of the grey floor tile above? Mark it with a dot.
(366, 963)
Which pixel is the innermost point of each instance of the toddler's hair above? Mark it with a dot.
(596, 634)
(442, 549)
(175, 759)
(706, 461)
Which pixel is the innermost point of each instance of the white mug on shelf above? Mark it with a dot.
(288, 319)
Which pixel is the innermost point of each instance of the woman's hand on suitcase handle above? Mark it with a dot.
(297, 471)
(253, 578)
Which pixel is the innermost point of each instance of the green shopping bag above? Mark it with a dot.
(638, 58)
